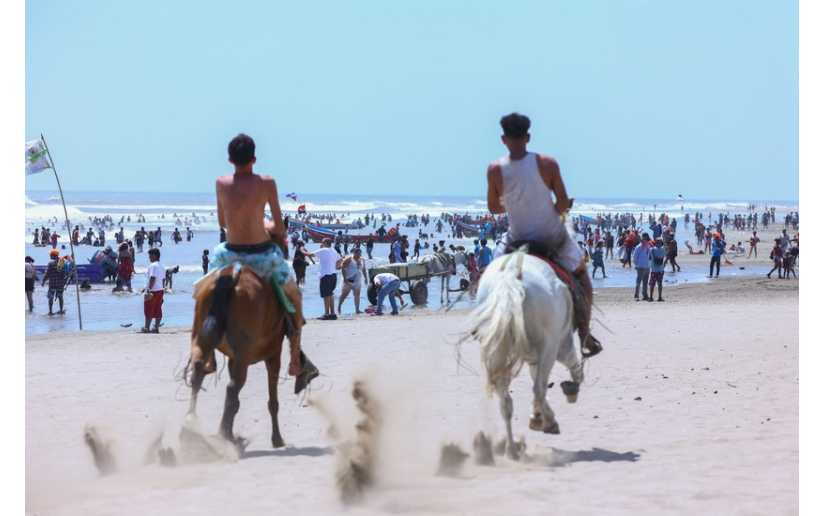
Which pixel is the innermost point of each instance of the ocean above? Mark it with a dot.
(104, 310)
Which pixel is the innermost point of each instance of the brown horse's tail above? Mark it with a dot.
(214, 325)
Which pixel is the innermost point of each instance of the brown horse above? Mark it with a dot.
(237, 314)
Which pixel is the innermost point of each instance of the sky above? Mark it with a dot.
(640, 99)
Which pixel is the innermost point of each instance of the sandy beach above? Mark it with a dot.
(692, 408)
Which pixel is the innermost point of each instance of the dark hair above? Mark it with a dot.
(206, 251)
(154, 252)
(241, 150)
(515, 125)
(29, 259)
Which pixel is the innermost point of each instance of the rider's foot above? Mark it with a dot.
(308, 373)
(591, 346)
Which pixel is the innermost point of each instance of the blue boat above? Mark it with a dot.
(91, 272)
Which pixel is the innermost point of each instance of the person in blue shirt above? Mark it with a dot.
(641, 259)
(657, 230)
(657, 268)
(485, 256)
(396, 251)
(717, 249)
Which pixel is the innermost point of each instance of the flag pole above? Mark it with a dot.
(69, 229)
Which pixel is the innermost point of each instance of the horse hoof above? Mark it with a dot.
(278, 442)
(571, 391)
(553, 428)
(513, 453)
(240, 444)
(483, 450)
(536, 423)
(500, 446)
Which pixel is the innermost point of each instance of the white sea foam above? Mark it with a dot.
(349, 209)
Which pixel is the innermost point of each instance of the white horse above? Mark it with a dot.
(443, 265)
(525, 314)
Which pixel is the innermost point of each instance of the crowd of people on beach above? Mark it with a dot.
(606, 236)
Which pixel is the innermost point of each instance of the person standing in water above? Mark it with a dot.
(352, 270)
(523, 185)
(205, 261)
(56, 276)
(753, 241)
(31, 278)
(299, 261)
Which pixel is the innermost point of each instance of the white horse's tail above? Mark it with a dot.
(498, 322)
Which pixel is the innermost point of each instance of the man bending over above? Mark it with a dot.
(522, 184)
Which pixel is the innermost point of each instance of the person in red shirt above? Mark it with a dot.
(125, 268)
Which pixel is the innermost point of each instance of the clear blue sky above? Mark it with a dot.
(634, 98)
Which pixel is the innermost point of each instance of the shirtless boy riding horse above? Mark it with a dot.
(522, 184)
(242, 198)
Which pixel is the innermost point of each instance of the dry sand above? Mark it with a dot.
(715, 430)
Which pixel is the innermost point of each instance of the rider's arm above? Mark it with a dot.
(275, 207)
(551, 175)
(494, 189)
(221, 217)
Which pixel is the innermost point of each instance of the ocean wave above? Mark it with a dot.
(350, 209)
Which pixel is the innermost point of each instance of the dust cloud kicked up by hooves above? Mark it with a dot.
(101, 449)
(191, 447)
(355, 470)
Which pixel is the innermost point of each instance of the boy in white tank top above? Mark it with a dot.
(522, 185)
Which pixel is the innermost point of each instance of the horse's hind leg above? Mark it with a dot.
(273, 367)
(197, 381)
(506, 405)
(543, 418)
(237, 378)
(196, 361)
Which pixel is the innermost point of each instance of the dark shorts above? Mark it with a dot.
(328, 283)
(656, 277)
(152, 306)
(29, 284)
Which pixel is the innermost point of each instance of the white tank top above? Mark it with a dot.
(528, 201)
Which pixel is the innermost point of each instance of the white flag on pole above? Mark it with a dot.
(37, 159)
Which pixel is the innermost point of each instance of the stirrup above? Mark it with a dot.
(591, 341)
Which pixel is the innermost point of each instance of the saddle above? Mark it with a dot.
(543, 252)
